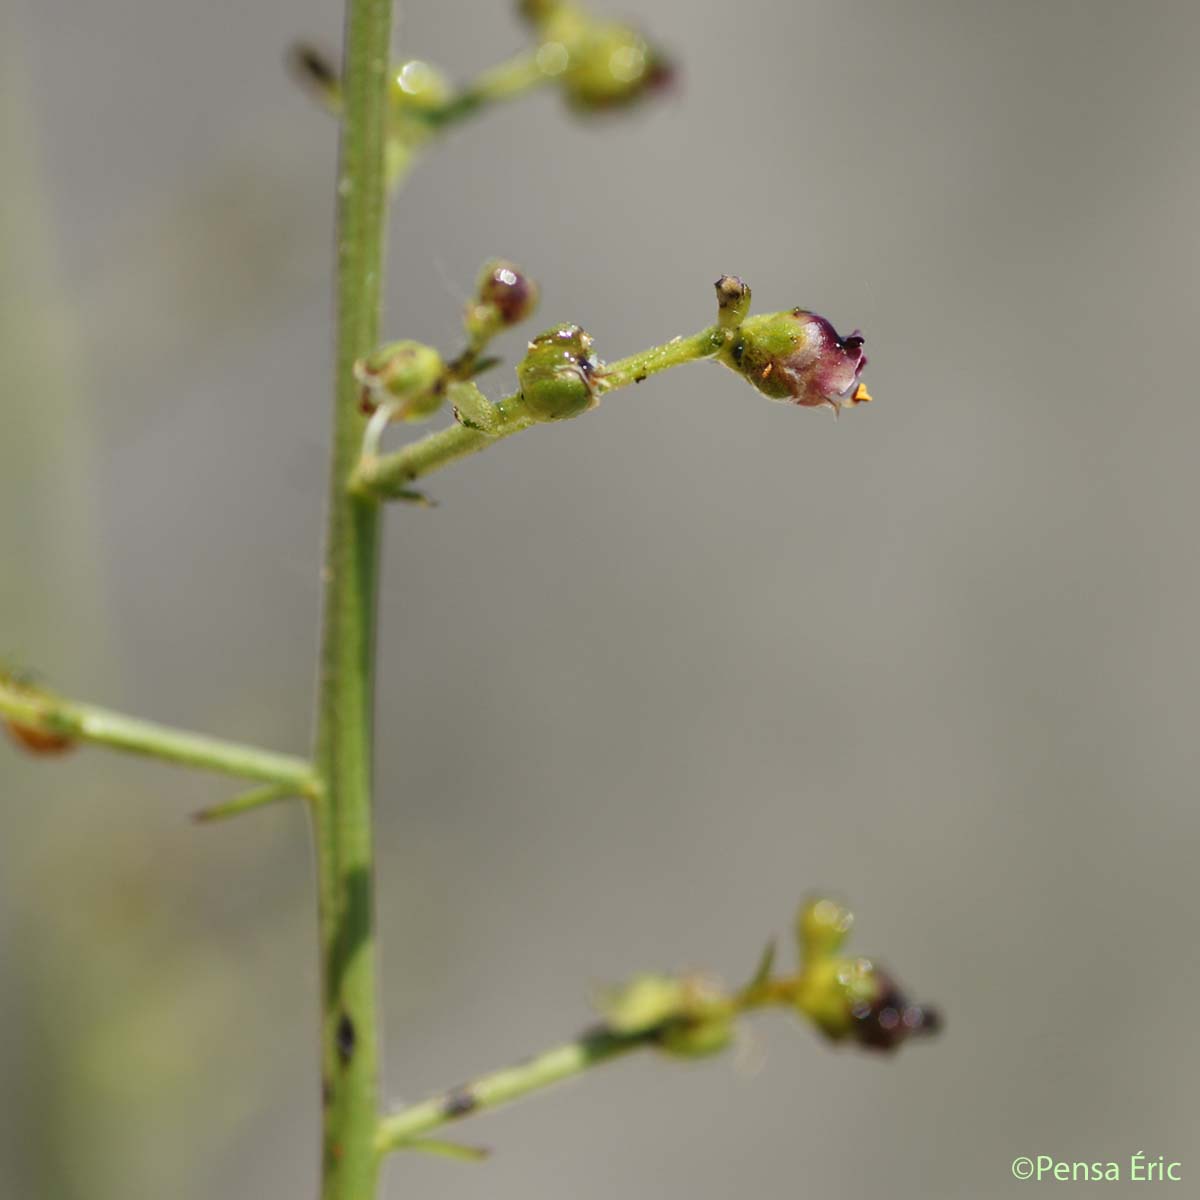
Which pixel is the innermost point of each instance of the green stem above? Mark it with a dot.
(404, 1129)
(345, 864)
(400, 1129)
(505, 81)
(389, 475)
(88, 723)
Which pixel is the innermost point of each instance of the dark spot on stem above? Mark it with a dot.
(639, 378)
(459, 1103)
(326, 1093)
(346, 1038)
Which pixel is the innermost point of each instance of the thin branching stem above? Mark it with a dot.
(401, 1129)
(389, 475)
(89, 723)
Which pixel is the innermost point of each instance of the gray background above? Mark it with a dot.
(649, 677)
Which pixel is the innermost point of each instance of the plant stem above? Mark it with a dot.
(505, 81)
(500, 1087)
(99, 725)
(402, 1130)
(389, 475)
(350, 1045)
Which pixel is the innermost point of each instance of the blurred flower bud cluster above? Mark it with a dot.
(847, 999)
(600, 64)
(851, 998)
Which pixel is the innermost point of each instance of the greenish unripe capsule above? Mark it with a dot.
(407, 374)
(558, 375)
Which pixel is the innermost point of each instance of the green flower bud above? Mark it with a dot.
(851, 998)
(688, 1017)
(409, 375)
(417, 86)
(415, 89)
(558, 375)
(830, 989)
(733, 301)
(697, 1037)
(645, 1002)
(601, 64)
(821, 928)
(504, 296)
(798, 356)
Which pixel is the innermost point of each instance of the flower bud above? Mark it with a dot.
(417, 86)
(852, 999)
(601, 64)
(687, 1017)
(697, 1037)
(39, 741)
(798, 356)
(733, 301)
(558, 375)
(408, 374)
(39, 730)
(645, 1002)
(821, 929)
(889, 1019)
(829, 990)
(504, 296)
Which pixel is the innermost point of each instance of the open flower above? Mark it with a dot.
(798, 356)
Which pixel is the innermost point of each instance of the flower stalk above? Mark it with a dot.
(33, 711)
(691, 1017)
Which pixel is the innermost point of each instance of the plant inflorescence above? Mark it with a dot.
(389, 113)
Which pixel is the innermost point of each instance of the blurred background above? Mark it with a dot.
(648, 678)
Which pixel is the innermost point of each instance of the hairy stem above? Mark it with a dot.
(401, 1129)
(350, 1043)
(87, 723)
(389, 475)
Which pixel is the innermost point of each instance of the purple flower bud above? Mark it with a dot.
(889, 1018)
(798, 356)
(505, 293)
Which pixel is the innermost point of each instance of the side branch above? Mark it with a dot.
(691, 1016)
(32, 710)
(401, 1129)
(388, 476)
